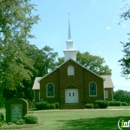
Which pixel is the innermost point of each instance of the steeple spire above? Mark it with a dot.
(69, 52)
(69, 30)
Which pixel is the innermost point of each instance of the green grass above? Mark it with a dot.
(86, 119)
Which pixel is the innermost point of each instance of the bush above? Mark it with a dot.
(101, 103)
(111, 103)
(1, 117)
(30, 119)
(89, 105)
(117, 103)
(42, 105)
(45, 105)
(96, 106)
(124, 104)
(57, 104)
(20, 122)
(52, 106)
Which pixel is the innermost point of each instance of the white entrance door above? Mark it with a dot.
(71, 96)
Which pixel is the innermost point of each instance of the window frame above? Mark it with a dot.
(90, 90)
(47, 95)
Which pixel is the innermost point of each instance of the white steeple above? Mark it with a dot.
(70, 52)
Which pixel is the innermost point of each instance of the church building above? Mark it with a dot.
(71, 84)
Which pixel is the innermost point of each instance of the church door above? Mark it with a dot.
(71, 96)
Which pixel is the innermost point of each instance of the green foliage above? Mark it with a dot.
(39, 105)
(96, 106)
(15, 27)
(125, 61)
(42, 105)
(121, 95)
(45, 105)
(111, 103)
(52, 106)
(57, 104)
(16, 66)
(101, 103)
(45, 60)
(124, 104)
(20, 122)
(1, 117)
(89, 105)
(117, 103)
(93, 63)
(10, 123)
(31, 119)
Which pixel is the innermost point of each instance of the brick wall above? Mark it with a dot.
(80, 80)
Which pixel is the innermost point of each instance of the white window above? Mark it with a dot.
(105, 94)
(70, 70)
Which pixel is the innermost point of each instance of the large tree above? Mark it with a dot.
(91, 62)
(125, 61)
(121, 95)
(16, 21)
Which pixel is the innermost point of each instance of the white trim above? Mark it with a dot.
(96, 90)
(47, 91)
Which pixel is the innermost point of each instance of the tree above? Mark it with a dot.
(123, 96)
(125, 61)
(93, 63)
(45, 60)
(15, 27)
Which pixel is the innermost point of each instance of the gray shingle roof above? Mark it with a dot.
(108, 81)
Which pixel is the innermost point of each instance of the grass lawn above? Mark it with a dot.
(83, 119)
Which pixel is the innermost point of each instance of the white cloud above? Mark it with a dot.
(108, 28)
(124, 25)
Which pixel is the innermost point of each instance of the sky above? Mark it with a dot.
(95, 29)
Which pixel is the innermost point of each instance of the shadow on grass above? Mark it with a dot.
(109, 123)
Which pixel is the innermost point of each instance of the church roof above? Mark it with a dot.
(108, 81)
(107, 78)
(76, 63)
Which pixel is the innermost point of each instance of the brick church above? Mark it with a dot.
(71, 84)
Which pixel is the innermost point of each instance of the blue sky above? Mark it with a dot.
(94, 28)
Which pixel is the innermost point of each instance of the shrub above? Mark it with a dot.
(96, 106)
(101, 103)
(42, 105)
(52, 106)
(10, 123)
(117, 103)
(1, 117)
(111, 103)
(2, 102)
(89, 105)
(57, 104)
(30, 119)
(124, 104)
(20, 122)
